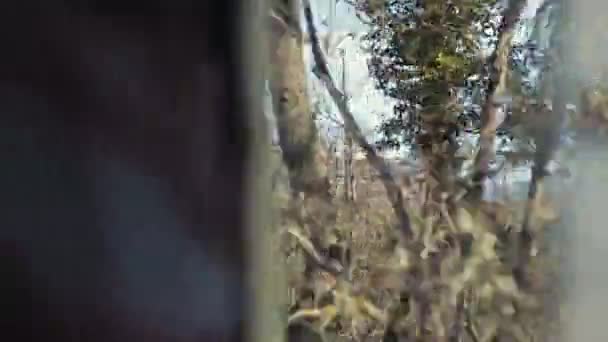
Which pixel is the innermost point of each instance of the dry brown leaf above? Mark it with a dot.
(484, 246)
(327, 315)
(485, 292)
(487, 328)
(506, 285)
(304, 314)
(464, 221)
(429, 241)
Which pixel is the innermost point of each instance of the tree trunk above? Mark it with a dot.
(302, 151)
(311, 206)
(498, 64)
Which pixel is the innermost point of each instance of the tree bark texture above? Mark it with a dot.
(498, 63)
(298, 136)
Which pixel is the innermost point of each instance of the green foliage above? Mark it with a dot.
(422, 53)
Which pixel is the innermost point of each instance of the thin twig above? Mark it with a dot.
(331, 119)
(470, 326)
(303, 314)
(324, 263)
(321, 70)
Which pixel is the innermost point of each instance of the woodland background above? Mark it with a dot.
(420, 231)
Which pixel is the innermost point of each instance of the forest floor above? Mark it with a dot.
(367, 224)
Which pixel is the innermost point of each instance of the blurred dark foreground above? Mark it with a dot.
(124, 150)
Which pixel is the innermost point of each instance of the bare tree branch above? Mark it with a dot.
(321, 70)
(331, 118)
(498, 64)
(318, 259)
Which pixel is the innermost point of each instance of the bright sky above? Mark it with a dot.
(366, 102)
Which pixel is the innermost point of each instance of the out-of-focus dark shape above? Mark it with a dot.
(301, 333)
(124, 149)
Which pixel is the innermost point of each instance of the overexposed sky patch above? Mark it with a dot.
(367, 103)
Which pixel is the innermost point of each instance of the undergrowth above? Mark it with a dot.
(455, 279)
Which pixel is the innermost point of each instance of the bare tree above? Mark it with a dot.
(499, 71)
(322, 72)
(298, 136)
